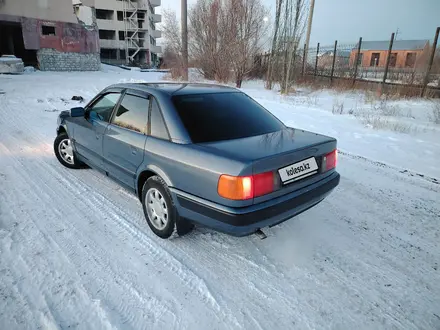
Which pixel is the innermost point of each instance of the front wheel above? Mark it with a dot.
(63, 150)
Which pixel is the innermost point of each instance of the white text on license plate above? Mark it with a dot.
(298, 170)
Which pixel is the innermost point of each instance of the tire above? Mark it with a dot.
(155, 194)
(68, 159)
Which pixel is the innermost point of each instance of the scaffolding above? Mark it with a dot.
(134, 15)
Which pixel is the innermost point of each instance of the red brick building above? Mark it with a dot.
(405, 53)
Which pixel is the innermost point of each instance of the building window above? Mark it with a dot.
(410, 60)
(375, 59)
(393, 60)
(48, 30)
(107, 34)
(141, 39)
(120, 16)
(105, 14)
(108, 54)
(121, 35)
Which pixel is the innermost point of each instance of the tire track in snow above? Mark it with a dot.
(379, 235)
(39, 193)
(159, 255)
(31, 236)
(400, 170)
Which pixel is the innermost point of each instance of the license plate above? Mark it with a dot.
(298, 170)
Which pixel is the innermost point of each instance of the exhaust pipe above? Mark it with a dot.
(259, 233)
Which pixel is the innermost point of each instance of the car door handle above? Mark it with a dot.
(133, 150)
(97, 136)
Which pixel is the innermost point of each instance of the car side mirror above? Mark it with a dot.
(77, 112)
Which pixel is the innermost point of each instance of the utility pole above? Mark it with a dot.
(309, 31)
(184, 18)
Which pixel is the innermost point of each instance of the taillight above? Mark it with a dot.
(235, 187)
(330, 160)
(263, 184)
(245, 187)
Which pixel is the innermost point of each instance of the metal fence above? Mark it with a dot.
(353, 66)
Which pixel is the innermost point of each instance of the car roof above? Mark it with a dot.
(177, 88)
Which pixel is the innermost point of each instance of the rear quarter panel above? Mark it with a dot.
(191, 169)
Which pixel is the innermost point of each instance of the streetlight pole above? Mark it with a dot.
(184, 27)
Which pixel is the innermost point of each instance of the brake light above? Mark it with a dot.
(263, 184)
(330, 160)
(245, 187)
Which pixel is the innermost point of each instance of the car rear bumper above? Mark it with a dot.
(247, 220)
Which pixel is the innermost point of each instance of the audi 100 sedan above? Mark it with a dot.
(199, 154)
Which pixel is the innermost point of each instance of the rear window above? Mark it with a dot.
(223, 116)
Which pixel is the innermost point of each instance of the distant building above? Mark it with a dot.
(127, 31)
(49, 35)
(405, 53)
(325, 59)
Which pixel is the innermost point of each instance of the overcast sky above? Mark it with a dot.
(347, 20)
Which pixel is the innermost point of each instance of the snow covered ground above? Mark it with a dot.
(75, 250)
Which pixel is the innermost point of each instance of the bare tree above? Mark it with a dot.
(244, 29)
(297, 33)
(208, 45)
(274, 45)
(172, 57)
(290, 26)
(226, 37)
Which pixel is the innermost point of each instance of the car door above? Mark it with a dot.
(125, 137)
(89, 131)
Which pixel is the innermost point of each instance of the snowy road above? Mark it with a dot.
(76, 252)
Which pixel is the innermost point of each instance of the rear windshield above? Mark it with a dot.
(223, 116)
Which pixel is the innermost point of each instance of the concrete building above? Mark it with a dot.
(127, 31)
(48, 33)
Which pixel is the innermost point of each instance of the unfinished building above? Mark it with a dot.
(127, 31)
(53, 35)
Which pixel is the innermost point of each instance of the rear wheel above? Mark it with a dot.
(159, 209)
(63, 150)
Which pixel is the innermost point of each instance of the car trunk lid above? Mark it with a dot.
(295, 156)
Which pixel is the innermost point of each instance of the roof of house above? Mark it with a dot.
(397, 45)
(340, 53)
